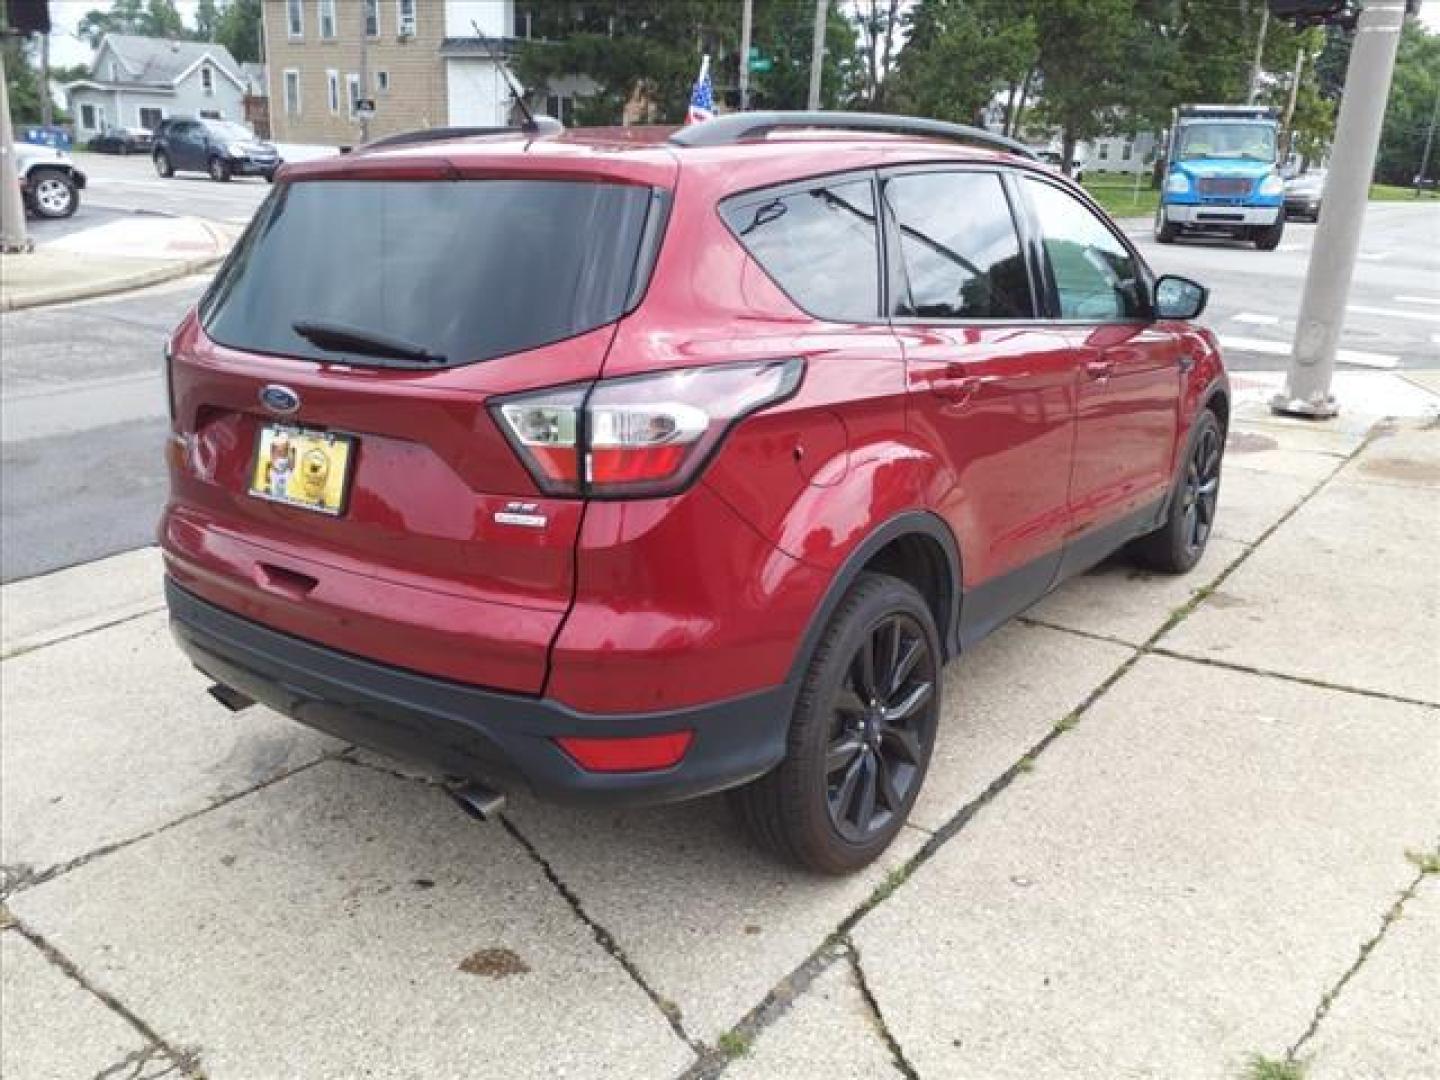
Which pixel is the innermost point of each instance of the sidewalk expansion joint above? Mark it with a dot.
(897, 1053)
(606, 940)
(1303, 680)
(26, 878)
(42, 642)
(1366, 948)
(187, 1059)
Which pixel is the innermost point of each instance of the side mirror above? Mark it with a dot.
(1179, 298)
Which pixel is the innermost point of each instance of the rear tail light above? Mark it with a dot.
(641, 436)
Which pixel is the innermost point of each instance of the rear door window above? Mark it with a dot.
(960, 254)
(465, 270)
(820, 244)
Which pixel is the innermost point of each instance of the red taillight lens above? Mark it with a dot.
(641, 436)
(642, 753)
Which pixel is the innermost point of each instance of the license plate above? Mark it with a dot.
(301, 467)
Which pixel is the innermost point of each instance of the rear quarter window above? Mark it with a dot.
(819, 242)
(470, 270)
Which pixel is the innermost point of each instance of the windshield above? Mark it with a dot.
(1237, 141)
(224, 129)
(461, 270)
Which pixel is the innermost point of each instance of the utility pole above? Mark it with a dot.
(1290, 105)
(817, 52)
(364, 93)
(1259, 56)
(13, 237)
(747, 17)
(47, 105)
(1347, 189)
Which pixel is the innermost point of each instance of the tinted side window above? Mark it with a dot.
(1097, 277)
(959, 249)
(819, 245)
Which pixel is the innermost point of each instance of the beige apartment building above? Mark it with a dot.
(421, 62)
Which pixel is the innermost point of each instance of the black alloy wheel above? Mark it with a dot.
(881, 725)
(1201, 491)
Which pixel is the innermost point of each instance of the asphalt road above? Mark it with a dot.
(83, 393)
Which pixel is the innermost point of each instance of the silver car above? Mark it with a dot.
(49, 180)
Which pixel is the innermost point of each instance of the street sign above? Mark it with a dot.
(365, 108)
(762, 65)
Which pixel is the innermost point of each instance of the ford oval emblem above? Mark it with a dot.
(280, 400)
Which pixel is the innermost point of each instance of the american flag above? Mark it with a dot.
(702, 97)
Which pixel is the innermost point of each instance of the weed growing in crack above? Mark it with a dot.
(1428, 862)
(733, 1044)
(1259, 1067)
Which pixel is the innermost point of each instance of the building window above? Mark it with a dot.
(332, 90)
(352, 84)
(1126, 150)
(382, 81)
(150, 117)
(114, 71)
(405, 17)
(295, 18)
(87, 117)
(207, 81)
(560, 107)
(1104, 154)
(211, 114)
(372, 18)
(292, 92)
(327, 19)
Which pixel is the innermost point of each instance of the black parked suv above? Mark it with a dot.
(221, 148)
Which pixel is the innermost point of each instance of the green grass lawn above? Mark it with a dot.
(1395, 193)
(1118, 195)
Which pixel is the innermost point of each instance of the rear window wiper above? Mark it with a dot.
(338, 337)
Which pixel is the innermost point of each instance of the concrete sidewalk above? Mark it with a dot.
(115, 256)
(1173, 824)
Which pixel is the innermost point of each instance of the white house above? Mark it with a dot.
(139, 81)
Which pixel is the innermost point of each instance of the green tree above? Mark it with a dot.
(1413, 95)
(207, 20)
(150, 18)
(21, 82)
(959, 54)
(237, 27)
(1085, 63)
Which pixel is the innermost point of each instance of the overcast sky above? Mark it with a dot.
(66, 48)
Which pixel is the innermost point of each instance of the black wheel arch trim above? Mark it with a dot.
(909, 523)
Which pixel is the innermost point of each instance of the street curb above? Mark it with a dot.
(110, 286)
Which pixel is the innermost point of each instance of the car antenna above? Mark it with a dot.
(529, 124)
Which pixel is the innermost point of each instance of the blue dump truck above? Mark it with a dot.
(1221, 176)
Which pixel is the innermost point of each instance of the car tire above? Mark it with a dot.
(53, 193)
(162, 165)
(219, 170)
(1267, 237)
(1177, 545)
(270, 177)
(1165, 231)
(847, 753)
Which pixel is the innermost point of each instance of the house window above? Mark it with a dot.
(327, 18)
(207, 81)
(352, 86)
(332, 90)
(292, 92)
(114, 71)
(382, 81)
(372, 18)
(295, 18)
(1126, 150)
(150, 117)
(211, 114)
(87, 117)
(560, 107)
(1104, 152)
(405, 17)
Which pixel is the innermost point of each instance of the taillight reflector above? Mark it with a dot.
(642, 753)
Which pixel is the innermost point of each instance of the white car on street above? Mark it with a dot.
(49, 181)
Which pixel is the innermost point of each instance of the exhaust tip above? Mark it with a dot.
(478, 801)
(228, 696)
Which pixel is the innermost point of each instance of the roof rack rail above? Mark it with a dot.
(545, 127)
(735, 127)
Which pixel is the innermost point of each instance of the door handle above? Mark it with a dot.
(959, 388)
(1099, 369)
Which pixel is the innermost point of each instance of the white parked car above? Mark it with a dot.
(49, 181)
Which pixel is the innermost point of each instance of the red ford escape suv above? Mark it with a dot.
(638, 470)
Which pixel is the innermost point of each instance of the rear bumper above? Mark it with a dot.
(468, 732)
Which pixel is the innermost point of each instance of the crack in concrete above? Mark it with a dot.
(606, 940)
(1366, 948)
(29, 878)
(1319, 684)
(897, 1052)
(137, 1061)
(187, 1059)
(24, 648)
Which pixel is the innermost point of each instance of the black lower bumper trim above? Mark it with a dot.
(468, 732)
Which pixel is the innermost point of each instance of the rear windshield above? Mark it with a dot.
(467, 270)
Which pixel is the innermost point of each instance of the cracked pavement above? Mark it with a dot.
(1171, 823)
